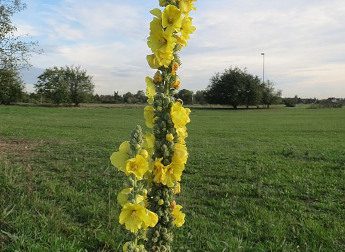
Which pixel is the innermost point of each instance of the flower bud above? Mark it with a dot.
(169, 137)
(173, 204)
(144, 153)
(176, 84)
(158, 78)
(163, 3)
(174, 68)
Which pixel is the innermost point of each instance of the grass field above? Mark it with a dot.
(257, 180)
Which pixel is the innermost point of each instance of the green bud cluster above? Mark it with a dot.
(136, 140)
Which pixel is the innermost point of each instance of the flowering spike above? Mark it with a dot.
(154, 162)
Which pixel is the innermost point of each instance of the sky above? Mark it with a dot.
(303, 42)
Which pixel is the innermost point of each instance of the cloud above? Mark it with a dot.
(303, 41)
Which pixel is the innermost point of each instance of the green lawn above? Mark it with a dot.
(257, 180)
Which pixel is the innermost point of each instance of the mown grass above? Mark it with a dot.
(257, 180)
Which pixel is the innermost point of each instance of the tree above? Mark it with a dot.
(140, 97)
(186, 96)
(291, 102)
(11, 86)
(129, 98)
(117, 98)
(14, 52)
(51, 85)
(200, 97)
(251, 94)
(269, 94)
(228, 88)
(80, 84)
(65, 85)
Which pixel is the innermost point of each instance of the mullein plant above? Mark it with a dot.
(154, 160)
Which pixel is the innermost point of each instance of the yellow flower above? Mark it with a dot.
(167, 175)
(182, 134)
(149, 116)
(162, 43)
(180, 155)
(159, 172)
(186, 5)
(164, 58)
(151, 219)
(186, 29)
(169, 137)
(159, 39)
(160, 202)
(152, 61)
(122, 197)
(150, 89)
(173, 174)
(136, 216)
(119, 158)
(179, 115)
(149, 143)
(137, 166)
(172, 18)
(179, 217)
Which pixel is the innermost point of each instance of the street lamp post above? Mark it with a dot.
(263, 67)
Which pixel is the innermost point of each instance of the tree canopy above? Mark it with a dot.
(237, 87)
(65, 85)
(11, 86)
(14, 50)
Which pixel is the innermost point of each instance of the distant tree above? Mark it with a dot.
(80, 84)
(227, 88)
(129, 98)
(200, 97)
(96, 98)
(65, 85)
(11, 86)
(140, 97)
(269, 94)
(186, 96)
(291, 102)
(117, 98)
(252, 92)
(52, 85)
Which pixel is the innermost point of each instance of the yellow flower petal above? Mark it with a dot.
(137, 166)
(172, 18)
(119, 158)
(179, 115)
(180, 155)
(179, 217)
(149, 116)
(150, 88)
